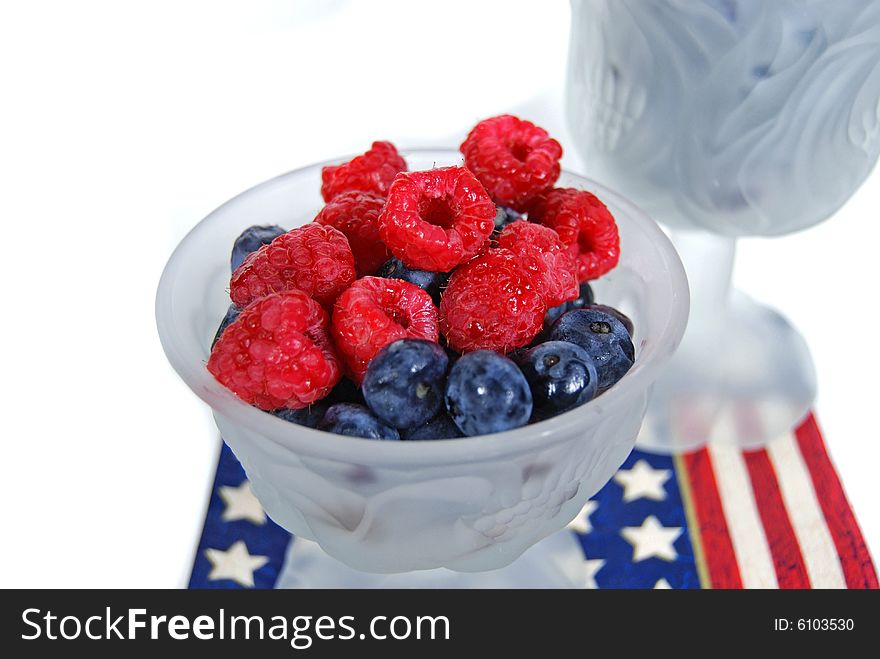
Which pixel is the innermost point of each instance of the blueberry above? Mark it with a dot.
(622, 317)
(345, 392)
(308, 416)
(487, 393)
(355, 421)
(404, 382)
(432, 282)
(603, 337)
(231, 314)
(250, 240)
(503, 217)
(561, 376)
(584, 299)
(440, 427)
(553, 314)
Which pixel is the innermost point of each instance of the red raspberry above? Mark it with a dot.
(277, 353)
(314, 258)
(515, 159)
(553, 268)
(585, 225)
(491, 303)
(436, 219)
(370, 172)
(375, 311)
(355, 214)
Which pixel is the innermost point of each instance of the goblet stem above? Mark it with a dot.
(742, 375)
(708, 260)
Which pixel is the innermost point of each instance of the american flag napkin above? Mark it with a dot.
(719, 517)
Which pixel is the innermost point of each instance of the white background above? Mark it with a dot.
(124, 123)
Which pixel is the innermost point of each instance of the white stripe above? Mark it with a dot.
(743, 522)
(810, 527)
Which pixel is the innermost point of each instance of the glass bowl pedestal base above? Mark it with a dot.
(555, 562)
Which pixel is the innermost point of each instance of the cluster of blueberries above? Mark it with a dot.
(418, 390)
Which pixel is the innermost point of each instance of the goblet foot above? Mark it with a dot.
(555, 562)
(743, 378)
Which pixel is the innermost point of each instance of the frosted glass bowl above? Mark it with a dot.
(470, 504)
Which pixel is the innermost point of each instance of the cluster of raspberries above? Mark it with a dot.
(309, 307)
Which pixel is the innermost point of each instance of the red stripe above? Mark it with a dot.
(854, 557)
(717, 547)
(791, 571)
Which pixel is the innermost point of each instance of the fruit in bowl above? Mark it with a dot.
(465, 270)
(471, 501)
